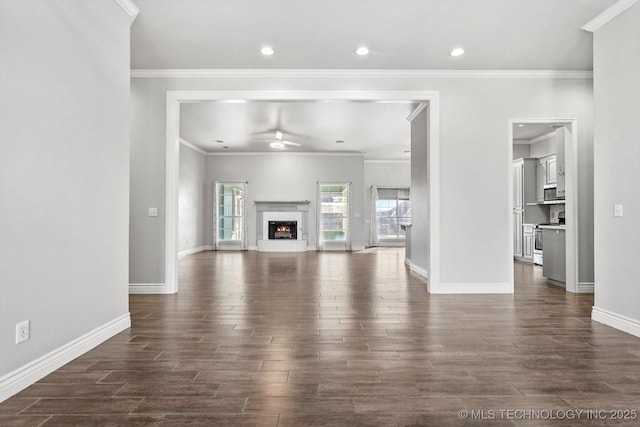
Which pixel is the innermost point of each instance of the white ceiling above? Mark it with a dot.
(378, 130)
(323, 34)
(401, 34)
(524, 134)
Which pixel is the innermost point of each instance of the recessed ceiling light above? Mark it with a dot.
(219, 141)
(362, 51)
(277, 144)
(340, 141)
(225, 146)
(457, 51)
(267, 51)
(521, 125)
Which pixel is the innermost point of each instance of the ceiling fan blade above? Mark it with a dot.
(290, 143)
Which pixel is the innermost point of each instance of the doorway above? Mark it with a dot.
(175, 98)
(545, 151)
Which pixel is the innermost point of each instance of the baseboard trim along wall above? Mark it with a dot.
(615, 320)
(148, 288)
(192, 251)
(586, 287)
(472, 288)
(422, 272)
(24, 376)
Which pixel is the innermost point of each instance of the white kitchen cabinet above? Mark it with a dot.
(546, 174)
(562, 135)
(518, 190)
(527, 242)
(552, 171)
(518, 236)
(525, 207)
(541, 179)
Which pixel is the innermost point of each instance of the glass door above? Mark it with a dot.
(333, 219)
(230, 210)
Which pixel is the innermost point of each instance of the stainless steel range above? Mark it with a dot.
(537, 246)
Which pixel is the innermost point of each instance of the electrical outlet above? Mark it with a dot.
(153, 211)
(22, 331)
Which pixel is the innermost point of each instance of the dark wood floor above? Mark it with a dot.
(346, 340)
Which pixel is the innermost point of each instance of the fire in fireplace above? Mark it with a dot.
(283, 230)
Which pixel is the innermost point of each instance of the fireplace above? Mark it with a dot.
(283, 230)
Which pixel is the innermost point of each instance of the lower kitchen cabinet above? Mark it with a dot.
(554, 266)
(518, 236)
(528, 242)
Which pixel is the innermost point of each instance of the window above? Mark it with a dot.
(334, 208)
(230, 211)
(393, 208)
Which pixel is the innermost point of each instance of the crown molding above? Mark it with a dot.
(416, 111)
(280, 153)
(543, 137)
(130, 9)
(193, 147)
(608, 14)
(372, 74)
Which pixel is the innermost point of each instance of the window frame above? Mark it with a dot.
(398, 219)
(234, 217)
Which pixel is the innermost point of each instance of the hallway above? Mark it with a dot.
(344, 339)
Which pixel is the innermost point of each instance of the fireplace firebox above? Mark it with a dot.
(287, 230)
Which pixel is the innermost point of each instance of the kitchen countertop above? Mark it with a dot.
(552, 226)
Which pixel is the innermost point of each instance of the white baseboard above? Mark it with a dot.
(472, 288)
(615, 320)
(149, 288)
(24, 376)
(586, 287)
(192, 251)
(422, 272)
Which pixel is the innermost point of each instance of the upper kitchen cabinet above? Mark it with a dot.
(562, 135)
(552, 170)
(546, 174)
(524, 182)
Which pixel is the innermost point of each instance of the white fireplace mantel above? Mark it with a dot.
(282, 210)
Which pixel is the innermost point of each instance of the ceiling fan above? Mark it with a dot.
(278, 142)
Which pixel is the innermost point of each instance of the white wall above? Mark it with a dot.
(64, 180)
(287, 177)
(191, 199)
(420, 190)
(617, 131)
(382, 174)
(473, 123)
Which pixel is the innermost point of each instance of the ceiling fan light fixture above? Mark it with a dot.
(277, 145)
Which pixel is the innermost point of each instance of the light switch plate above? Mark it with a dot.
(617, 209)
(153, 211)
